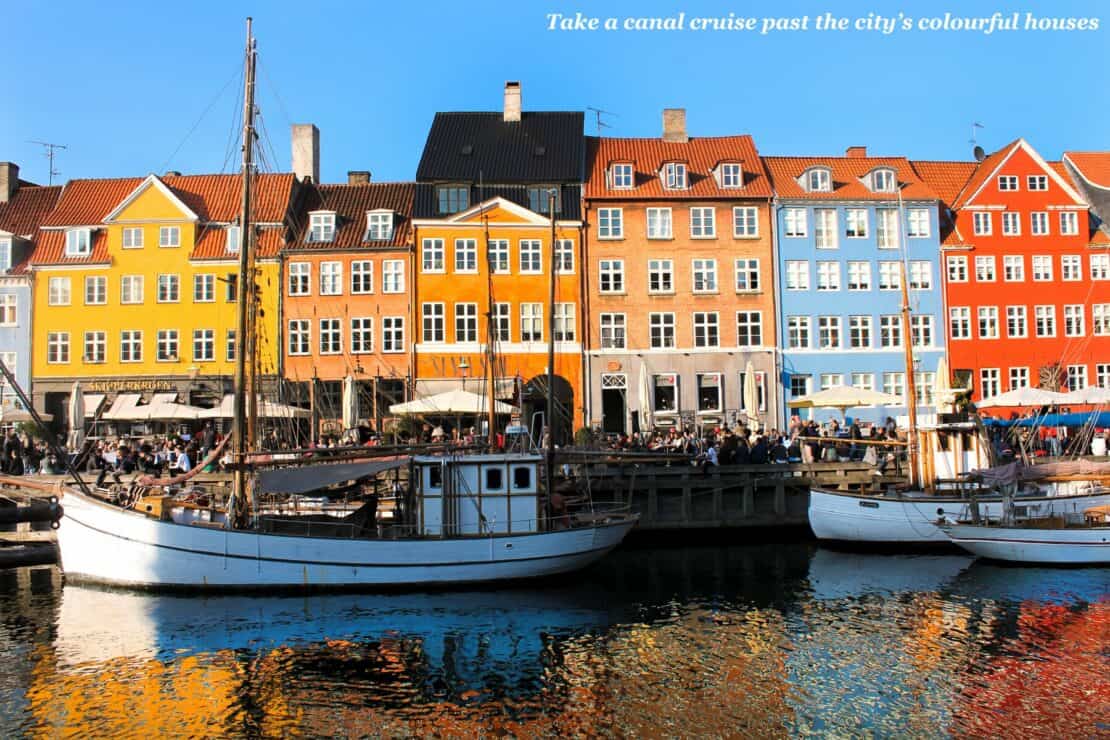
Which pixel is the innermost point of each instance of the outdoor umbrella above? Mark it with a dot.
(1025, 397)
(450, 402)
(645, 400)
(76, 417)
(1090, 395)
(751, 395)
(350, 403)
(844, 397)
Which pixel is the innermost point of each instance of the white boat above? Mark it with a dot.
(1077, 545)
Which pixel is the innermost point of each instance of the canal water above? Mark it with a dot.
(761, 640)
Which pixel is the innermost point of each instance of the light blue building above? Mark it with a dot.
(844, 226)
(23, 206)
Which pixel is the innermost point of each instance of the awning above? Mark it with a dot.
(844, 397)
(266, 409)
(123, 408)
(12, 415)
(1024, 397)
(451, 402)
(319, 475)
(92, 404)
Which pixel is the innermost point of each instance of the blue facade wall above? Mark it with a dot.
(18, 338)
(844, 303)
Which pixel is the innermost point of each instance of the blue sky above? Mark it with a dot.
(123, 85)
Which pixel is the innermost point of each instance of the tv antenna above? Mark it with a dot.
(974, 125)
(49, 154)
(598, 113)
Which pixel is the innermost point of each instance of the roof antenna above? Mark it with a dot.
(980, 155)
(49, 154)
(598, 113)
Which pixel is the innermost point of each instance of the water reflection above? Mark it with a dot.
(764, 640)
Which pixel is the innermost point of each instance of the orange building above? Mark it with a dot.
(346, 309)
(680, 276)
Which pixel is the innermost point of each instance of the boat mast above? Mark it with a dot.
(246, 291)
(907, 343)
(550, 467)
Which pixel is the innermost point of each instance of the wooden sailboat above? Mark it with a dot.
(460, 519)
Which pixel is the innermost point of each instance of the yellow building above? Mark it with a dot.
(135, 284)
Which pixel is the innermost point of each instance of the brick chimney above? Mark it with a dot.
(674, 125)
(9, 180)
(306, 151)
(512, 102)
(358, 177)
(856, 152)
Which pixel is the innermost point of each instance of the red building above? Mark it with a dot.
(1027, 296)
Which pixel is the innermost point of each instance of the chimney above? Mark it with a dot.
(9, 180)
(856, 152)
(306, 151)
(512, 101)
(674, 125)
(358, 177)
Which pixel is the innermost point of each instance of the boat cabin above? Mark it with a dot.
(950, 451)
(478, 494)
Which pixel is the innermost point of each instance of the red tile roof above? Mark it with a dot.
(847, 178)
(27, 209)
(211, 243)
(982, 171)
(350, 203)
(51, 246)
(1093, 166)
(946, 179)
(701, 155)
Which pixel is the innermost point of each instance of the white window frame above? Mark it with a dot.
(564, 256)
(706, 329)
(78, 242)
(957, 268)
(59, 292)
(1069, 223)
(57, 348)
(745, 222)
(321, 227)
(96, 290)
(830, 328)
(466, 323)
(531, 322)
(169, 237)
(204, 287)
(130, 346)
(1044, 321)
(921, 275)
(1036, 182)
(860, 331)
(818, 180)
(674, 176)
(856, 223)
(659, 223)
(890, 275)
(986, 269)
(132, 237)
(890, 331)
(918, 224)
(795, 223)
(204, 345)
(1017, 322)
(433, 322)
(362, 277)
(127, 289)
(959, 323)
(1042, 268)
(1038, 223)
(703, 222)
(990, 382)
(1013, 268)
(331, 278)
(1011, 223)
(732, 175)
(566, 322)
(167, 345)
(746, 275)
(660, 277)
(466, 256)
(987, 320)
(706, 271)
(96, 347)
(1100, 266)
(887, 228)
(613, 330)
(1075, 320)
(433, 256)
(662, 332)
(9, 310)
(379, 226)
(531, 256)
(498, 256)
(610, 277)
(393, 276)
(300, 278)
(982, 223)
(622, 176)
(883, 181)
(331, 333)
(797, 275)
(825, 228)
(610, 223)
(393, 335)
(799, 334)
(1071, 268)
(1019, 378)
(1008, 183)
(859, 276)
(828, 276)
(362, 335)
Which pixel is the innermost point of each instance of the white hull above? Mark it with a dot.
(852, 517)
(103, 543)
(1075, 546)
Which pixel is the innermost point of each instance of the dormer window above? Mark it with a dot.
(321, 226)
(5, 255)
(379, 226)
(674, 176)
(233, 238)
(732, 175)
(622, 176)
(452, 198)
(818, 180)
(882, 181)
(539, 198)
(78, 242)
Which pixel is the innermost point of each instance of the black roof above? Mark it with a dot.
(426, 205)
(543, 147)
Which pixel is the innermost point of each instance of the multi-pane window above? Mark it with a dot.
(1073, 320)
(797, 332)
(232, 238)
(1045, 320)
(5, 255)
(1019, 378)
(1069, 223)
(393, 334)
(433, 328)
(466, 322)
(797, 275)
(300, 276)
(229, 345)
(732, 175)
(925, 382)
(57, 347)
(1100, 319)
(659, 223)
(660, 276)
(379, 226)
(859, 275)
(169, 288)
(610, 223)
(830, 380)
(466, 255)
(882, 181)
(362, 335)
(1037, 182)
(58, 291)
(331, 278)
(130, 346)
(959, 322)
(452, 198)
(531, 256)
(362, 277)
(331, 337)
(857, 223)
(96, 290)
(1077, 377)
(894, 384)
(531, 322)
(747, 275)
(661, 328)
(78, 242)
(985, 269)
(565, 322)
(1017, 322)
(1071, 267)
(611, 276)
(622, 175)
(988, 322)
(749, 328)
(957, 269)
(703, 222)
(890, 331)
(1038, 221)
(799, 385)
(706, 329)
(1011, 223)
(982, 223)
(169, 236)
(133, 237)
(393, 276)
(674, 175)
(890, 276)
(204, 288)
(794, 220)
(96, 346)
(1013, 268)
(321, 227)
(709, 391)
(917, 223)
(167, 345)
(1102, 375)
(990, 382)
(828, 275)
(502, 322)
(8, 309)
(613, 328)
(745, 221)
(1007, 182)
(864, 381)
(204, 345)
(540, 197)
(498, 255)
(828, 332)
(824, 228)
(432, 259)
(818, 180)
(859, 332)
(1100, 267)
(1042, 268)
(921, 331)
(564, 256)
(921, 275)
(705, 276)
(886, 228)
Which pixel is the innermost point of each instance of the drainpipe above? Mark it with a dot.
(780, 324)
(583, 287)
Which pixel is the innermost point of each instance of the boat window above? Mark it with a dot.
(495, 479)
(522, 477)
(942, 441)
(435, 477)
